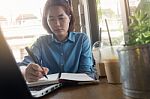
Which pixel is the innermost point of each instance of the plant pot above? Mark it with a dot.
(135, 70)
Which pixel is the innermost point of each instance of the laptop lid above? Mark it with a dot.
(12, 83)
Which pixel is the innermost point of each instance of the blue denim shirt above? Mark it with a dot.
(74, 55)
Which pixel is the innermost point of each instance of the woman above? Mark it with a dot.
(62, 50)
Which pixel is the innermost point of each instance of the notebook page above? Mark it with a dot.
(76, 77)
(52, 78)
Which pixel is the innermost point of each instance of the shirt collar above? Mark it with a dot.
(71, 38)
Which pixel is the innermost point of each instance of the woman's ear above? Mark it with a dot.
(70, 17)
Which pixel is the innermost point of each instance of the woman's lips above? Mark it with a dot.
(59, 30)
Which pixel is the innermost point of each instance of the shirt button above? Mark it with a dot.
(62, 54)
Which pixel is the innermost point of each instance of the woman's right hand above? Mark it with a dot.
(34, 72)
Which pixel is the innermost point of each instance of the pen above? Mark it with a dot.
(59, 75)
(35, 60)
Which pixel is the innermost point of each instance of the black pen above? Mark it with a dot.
(59, 75)
(35, 60)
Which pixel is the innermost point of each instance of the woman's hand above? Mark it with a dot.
(34, 72)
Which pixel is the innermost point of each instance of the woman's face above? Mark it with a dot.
(58, 21)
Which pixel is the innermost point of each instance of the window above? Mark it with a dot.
(109, 12)
(133, 4)
(21, 23)
(139, 4)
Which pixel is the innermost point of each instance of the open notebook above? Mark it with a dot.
(80, 78)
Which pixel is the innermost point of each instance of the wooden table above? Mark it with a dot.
(103, 90)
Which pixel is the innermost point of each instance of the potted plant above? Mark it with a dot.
(134, 58)
(139, 29)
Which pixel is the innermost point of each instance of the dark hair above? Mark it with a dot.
(67, 6)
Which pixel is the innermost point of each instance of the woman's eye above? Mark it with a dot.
(61, 18)
(51, 19)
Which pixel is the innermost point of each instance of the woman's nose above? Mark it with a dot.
(57, 22)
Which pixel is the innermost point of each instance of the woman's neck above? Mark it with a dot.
(62, 38)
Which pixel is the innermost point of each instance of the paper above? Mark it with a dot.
(53, 78)
(76, 77)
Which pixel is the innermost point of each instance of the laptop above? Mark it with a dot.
(12, 83)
